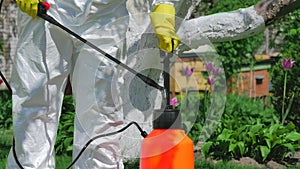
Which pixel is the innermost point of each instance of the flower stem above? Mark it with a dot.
(283, 101)
(289, 107)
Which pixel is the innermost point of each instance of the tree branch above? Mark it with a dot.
(275, 9)
(224, 26)
(237, 24)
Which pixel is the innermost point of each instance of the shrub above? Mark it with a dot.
(64, 140)
(5, 109)
(249, 129)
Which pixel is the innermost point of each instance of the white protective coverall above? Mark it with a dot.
(45, 56)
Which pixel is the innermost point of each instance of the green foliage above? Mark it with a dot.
(190, 113)
(289, 28)
(249, 129)
(62, 161)
(235, 54)
(207, 7)
(5, 109)
(5, 142)
(2, 46)
(230, 5)
(64, 140)
(198, 117)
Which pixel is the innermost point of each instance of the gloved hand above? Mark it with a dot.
(163, 22)
(29, 6)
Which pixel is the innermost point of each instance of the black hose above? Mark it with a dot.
(13, 146)
(143, 133)
(6, 82)
(15, 154)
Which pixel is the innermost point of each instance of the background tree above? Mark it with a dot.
(239, 26)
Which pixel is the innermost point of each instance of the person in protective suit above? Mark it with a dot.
(46, 55)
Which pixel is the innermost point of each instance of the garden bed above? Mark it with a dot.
(289, 162)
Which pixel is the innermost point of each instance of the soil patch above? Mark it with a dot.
(247, 161)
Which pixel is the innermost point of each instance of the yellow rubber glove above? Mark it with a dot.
(163, 23)
(29, 6)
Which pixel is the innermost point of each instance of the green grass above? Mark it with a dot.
(61, 161)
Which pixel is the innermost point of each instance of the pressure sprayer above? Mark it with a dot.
(167, 146)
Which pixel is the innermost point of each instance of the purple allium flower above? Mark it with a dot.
(209, 66)
(187, 71)
(211, 81)
(216, 71)
(287, 64)
(174, 101)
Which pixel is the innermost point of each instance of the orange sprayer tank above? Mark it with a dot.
(167, 146)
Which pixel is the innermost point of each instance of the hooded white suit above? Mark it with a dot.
(45, 56)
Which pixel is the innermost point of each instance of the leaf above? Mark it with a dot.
(290, 126)
(276, 142)
(293, 136)
(241, 146)
(290, 147)
(287, 111)
(232, 146)
(293, 32)
(274, 128)
(70, 148)
(68, 142)
(268, 141)
(256, 128)
(205, 148)
(265, 151)
(225, 135)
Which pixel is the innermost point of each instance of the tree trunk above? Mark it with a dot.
(8, 35)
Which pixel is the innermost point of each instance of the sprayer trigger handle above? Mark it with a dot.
(42, 8)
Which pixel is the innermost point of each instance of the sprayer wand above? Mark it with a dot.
(42, 12)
